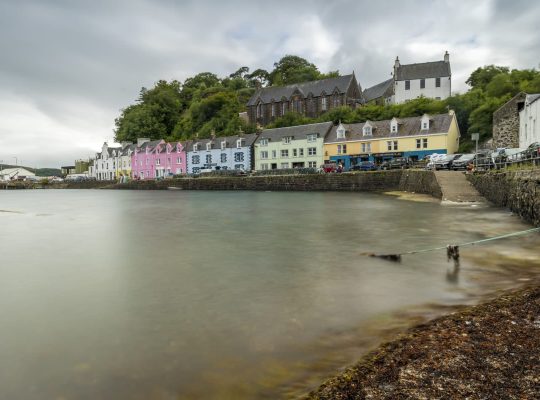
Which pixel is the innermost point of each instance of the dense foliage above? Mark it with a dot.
(206, 103)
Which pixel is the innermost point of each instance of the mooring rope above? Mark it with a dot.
(451, 248)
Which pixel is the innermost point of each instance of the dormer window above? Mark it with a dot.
(312, 137)
(239, 143)
(196, 147)
(340, 131)
(367, 130)
(263, 142)
(259, 110)
(208, 146)
(223, 145)
(287, 139)
(394, 125)
(425, 122)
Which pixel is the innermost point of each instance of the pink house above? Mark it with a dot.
(157, 159)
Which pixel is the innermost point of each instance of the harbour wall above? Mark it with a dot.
(518, 191)
(418, 181)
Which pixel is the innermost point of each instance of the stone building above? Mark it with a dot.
(308, 98)
(506, 122)
(410, 81)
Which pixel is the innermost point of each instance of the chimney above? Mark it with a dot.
(240, 132)
(141, 141)
(213, 134)
(446, 57)
(396, 66)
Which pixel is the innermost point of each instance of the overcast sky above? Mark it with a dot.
(67, 67)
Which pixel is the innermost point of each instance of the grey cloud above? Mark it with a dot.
(71, 66)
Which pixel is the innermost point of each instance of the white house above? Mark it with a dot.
(529, 128)
(112, 161)
(410, 81)
(229, 152)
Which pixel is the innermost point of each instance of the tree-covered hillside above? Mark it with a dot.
(206, 103)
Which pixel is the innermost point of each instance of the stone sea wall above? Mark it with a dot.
(517, 190)
(417, 181)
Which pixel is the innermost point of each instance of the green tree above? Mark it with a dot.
(293, 69)
(481, 76)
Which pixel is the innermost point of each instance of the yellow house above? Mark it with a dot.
(413, 137)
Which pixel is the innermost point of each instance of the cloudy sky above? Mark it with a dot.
(68, 67)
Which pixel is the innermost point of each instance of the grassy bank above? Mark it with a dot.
(488, 351)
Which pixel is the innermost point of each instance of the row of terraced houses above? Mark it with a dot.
(304, 146)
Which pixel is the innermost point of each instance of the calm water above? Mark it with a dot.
(224, 295)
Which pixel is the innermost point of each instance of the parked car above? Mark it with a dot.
(484, 160)
(365, 166)
(432, 158)
(330, 167)
(463, 161)
(446, 161)
(533, 151)
(396, 163)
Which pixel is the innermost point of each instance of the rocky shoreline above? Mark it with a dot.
(487, 351)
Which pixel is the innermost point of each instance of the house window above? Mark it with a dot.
(259, 110)
(424, 143)
(395, 145)
(273, 110)
(239, 143)
(312, 137)
(418, 143)
(295, 153)
(264, 155)
(425, 125)
(394, 128)
(437, 82)
(323, 103)
(422, 83)
(366, 147)
(196, 147)
(337, 100)
(284, 108)
(209, 158)
(208, 146)
(264, 142)
(287, 140)
(284, 165)
(239, 166)
(274, 153)
(179, 160)
(301, 152)
(284, 153)
(312, 164)
(223, 145)
(158, 162)
(239, 157)
(140, 163)
(389, 145)
(264, 167)
(407, 85)
(367, 130)
(223, 157)
(312, 151)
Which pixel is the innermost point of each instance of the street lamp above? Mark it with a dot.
(475, 137)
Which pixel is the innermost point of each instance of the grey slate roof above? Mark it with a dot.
(378, 90)
(439, 123)
(328, 86)
(148, 145)
(434, 69)
(230, 140)
(297, 132)
(531, 98)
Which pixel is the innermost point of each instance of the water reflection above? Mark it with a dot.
(224, 294)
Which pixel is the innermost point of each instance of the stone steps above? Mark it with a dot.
(456, 188)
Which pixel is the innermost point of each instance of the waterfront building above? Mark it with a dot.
(67, 170)
(157, 159)
(81, 166)
(308, 98)
(223, 153)
(7, 174)
(109, 163)
(377, 141)
(410, 81)
(529, 113)
(506, 121)
(291, 147)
